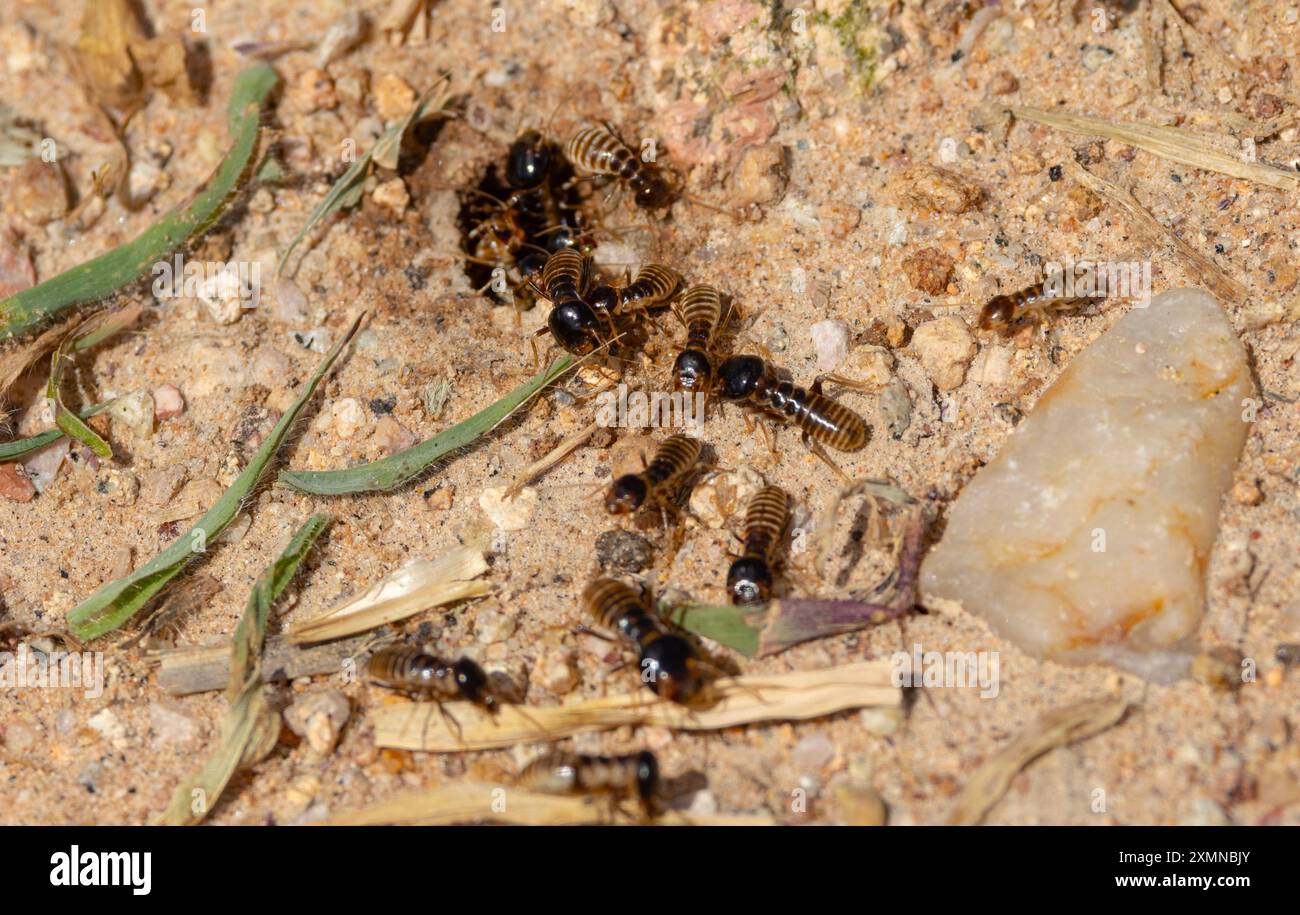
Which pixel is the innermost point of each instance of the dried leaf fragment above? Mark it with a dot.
(1055, 729)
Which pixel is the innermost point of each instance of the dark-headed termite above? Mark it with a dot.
(669, 663)
(413, 671)
(597, 150)
(674, 460)
(748, 379)
(749, 580)
(635, 775)
(1008, 313)
(654, 285)
(572, 322)
(701, 311)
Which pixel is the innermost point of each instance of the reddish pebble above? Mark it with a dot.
(14, 484)
(167, 402)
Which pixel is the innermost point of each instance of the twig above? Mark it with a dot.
(203, 668)
(743, 700)
(1204, 270)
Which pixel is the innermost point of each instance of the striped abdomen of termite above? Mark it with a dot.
(654, 285)
(748, 379)
(749, 580)
(596, 150)
(632, 775)
(416, 672)
(672, 463)
(701, 311)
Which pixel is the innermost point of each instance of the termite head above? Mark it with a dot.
(997, 313)
(529, 161)
(692, 371)
(626, 494)
(739, 376)
(472, 683)
(647, 775)
(573, 325)
(670, 667)
(749, 580)
(604, 298)
(530, 265)
(652, 189)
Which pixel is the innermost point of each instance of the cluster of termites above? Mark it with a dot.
(530, 223)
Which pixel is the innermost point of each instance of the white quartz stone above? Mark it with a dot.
(1088, 537)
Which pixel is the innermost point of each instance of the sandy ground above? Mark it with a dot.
(852, 100)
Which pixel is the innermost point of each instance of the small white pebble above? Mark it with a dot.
(508, 514)
(348, 417)
(831, 341)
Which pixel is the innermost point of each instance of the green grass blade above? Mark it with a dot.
(11, 451)
(346, 191)
(119, 600)
(393, 471)
(91, 332)
(736, 627)
(250, 724)
(109, 272)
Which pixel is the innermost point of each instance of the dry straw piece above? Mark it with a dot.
(418, 586)
(1055, 729)
(1172, 143)
(477, 802)
(797, 696)
(1206, 272)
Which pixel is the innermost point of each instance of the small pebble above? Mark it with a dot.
(109, 726)
(1003, 83)
(494, 626)
(271, 368)
(39, 191)
(435, 396)
(623, 551)
(853, 804)
(508, 514)
(556, 671)
(392, 196)
(440, 500)
(168, 402)
(318, 717)
(349, 416)
(393, 97)
(391, 436)
(14, 484)
(170, 726)
(945, 349)
(930, 188)
(121, 486)
(872, 366)
(42, 467)
(288, 304)
(761, 175)
(928, 270)
(831, 342)
(724, 495)
(135, 413)
(812, 753)
(312, 91)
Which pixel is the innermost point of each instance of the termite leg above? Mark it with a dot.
(819, 451)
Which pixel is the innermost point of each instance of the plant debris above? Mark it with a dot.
(742, 700)
(1055, 729)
